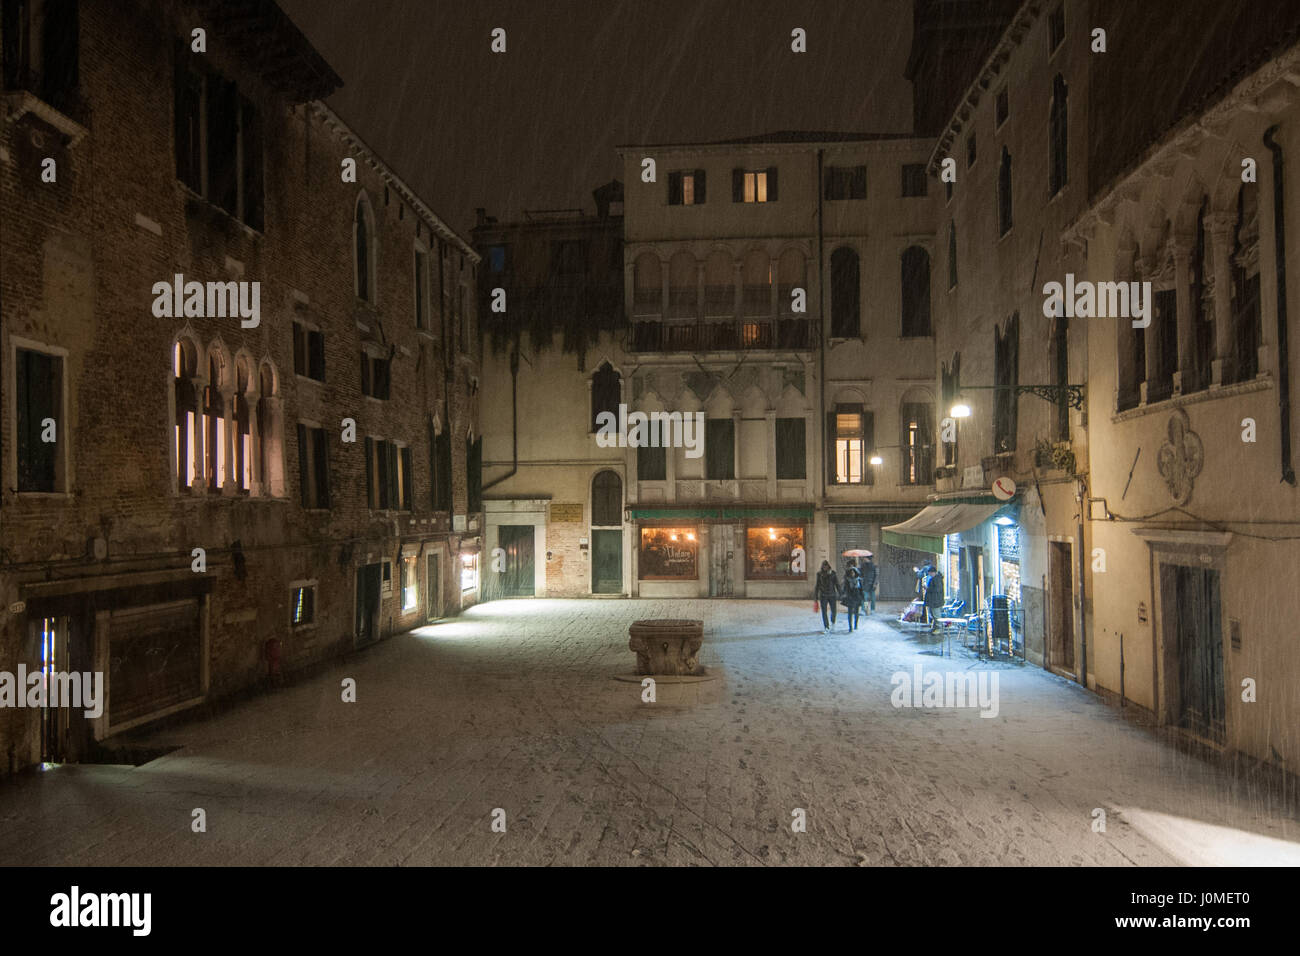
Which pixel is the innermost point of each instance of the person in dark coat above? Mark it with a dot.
(852, 593)
(827, 592)
(934, 598)
(870, 575)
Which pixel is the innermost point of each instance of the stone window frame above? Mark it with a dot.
(63, 477)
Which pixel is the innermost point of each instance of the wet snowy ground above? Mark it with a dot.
(515, 706)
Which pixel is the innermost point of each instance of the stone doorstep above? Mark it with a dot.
(696, 678)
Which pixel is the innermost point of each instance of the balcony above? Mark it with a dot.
(720, 335)
(53, 96)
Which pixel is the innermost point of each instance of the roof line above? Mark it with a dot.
(432, 219)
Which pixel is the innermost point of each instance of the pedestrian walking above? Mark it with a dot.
(870, 575)
(827, 593)
(852, 593)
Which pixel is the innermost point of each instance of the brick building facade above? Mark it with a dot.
(228, 434)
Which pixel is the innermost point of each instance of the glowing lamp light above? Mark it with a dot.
(877, 460)
(1004, 521)
(960, 410)
(690, 536)
(672, 537)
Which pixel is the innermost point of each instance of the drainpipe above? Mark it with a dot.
(821, 335)
(514, 420)
(1283, 356)
(1083, 588)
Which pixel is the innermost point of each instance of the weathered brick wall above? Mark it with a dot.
(78, 274)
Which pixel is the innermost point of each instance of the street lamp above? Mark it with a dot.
(1067, 395)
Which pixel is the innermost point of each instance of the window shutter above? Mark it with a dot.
(316, 340)
(394, 496)
(830, 447)
(859, 182)
(771, 184)
(674, 189)
(370, 475)
(320, 455)
(365, 374)
(699, 187)
(737, 185)
(406, 479)
(304, 485)
(868, 447)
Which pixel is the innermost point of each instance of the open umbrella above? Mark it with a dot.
(858, 553)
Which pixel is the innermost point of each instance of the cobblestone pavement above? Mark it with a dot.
(515, 706)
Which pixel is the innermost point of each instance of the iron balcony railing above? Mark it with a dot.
(654, 335)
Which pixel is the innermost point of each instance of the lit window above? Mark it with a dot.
(303, 606)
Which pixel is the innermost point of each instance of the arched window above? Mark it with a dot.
(605, 393)
(916, 292)
(1058, 137)
(184, 369)
(363, 245)
(789, 276)
(647, 286)
(1246, 319)
(683, 287)
(719, 286)
(607, 500)
(845, 291)
(757, 294)
(214, 426)
(243, 465)
(1006, 375)
(1004, 193)
(269, 445)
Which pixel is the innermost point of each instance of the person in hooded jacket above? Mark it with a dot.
(827, 593)
(853, 596)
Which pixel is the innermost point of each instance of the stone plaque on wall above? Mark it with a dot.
(566, 512)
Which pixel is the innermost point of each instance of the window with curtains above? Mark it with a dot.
(686, 187)
(916, 443)
(388, 475)
(753, 185)
(850, 440)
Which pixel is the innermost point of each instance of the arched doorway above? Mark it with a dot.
(607, 533)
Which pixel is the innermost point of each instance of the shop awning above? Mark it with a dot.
(925, 531)
(801, 513)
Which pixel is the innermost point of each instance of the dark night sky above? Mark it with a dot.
(536, 127)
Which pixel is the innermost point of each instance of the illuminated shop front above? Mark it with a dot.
(775, 553)
(669, 554)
